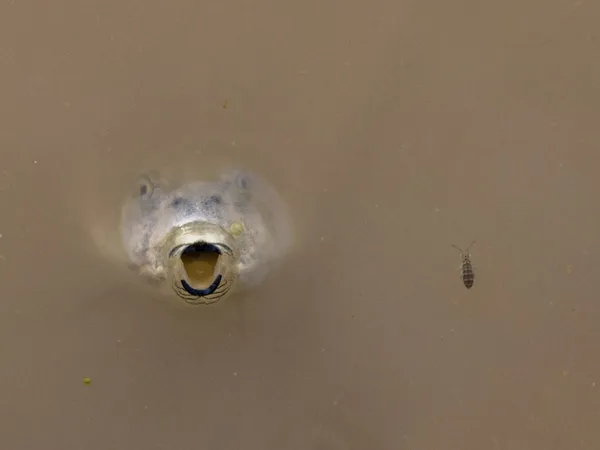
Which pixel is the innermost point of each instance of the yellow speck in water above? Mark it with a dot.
(236, 228)
(225, 104)
(569, 268)
(87, 380)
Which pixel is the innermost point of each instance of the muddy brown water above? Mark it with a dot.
(394, 130)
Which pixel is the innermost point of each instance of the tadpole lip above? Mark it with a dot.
(196, 247)
(202, 292)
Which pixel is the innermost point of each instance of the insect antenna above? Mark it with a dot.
(464, 252)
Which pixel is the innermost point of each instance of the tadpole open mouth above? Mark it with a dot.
(200, 261)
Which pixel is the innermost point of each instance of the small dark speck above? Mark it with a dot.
(143, 190)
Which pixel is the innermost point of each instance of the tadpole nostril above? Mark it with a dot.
(182, 203)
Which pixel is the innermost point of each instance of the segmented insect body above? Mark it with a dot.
(466, 269)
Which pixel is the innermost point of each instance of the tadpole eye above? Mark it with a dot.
(216, 199)
(145, 187)
(242, 181)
